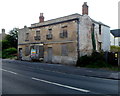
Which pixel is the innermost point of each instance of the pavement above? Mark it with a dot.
(60, 68)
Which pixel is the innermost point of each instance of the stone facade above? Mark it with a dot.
(3, 34)
(62, 40)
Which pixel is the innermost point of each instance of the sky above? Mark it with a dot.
(18, 13)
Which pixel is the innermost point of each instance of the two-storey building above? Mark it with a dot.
(63, 40)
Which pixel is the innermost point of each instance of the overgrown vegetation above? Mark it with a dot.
(9, 53)
(115, 48)
(95, 60)
(9, 44)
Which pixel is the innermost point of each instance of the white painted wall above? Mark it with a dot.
(112, 40)
(85, 41)
(106, 38)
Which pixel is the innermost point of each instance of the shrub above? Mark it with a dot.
(95, 60)
(7, 53)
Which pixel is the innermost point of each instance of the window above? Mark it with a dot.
(37, 37)
(64, 33)
(100, 29)
(49, 35)
(49, 31)
(38, 33)
(27, 37)
(119, 43)
(64, 50)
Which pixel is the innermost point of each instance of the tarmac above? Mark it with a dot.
(90, 72)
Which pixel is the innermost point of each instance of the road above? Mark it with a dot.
(25, 79)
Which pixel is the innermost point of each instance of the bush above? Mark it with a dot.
(95, 60)
(114, 48)
(8, 53)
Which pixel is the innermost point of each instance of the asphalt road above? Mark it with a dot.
(22, 79)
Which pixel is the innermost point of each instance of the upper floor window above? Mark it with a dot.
(27, 37)
(64, 33)
(99, 29)
(49, 35)
(49, 31)
(38, 33)
(37, 37)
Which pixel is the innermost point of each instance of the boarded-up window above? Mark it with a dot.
(64, 33)
(27, 37)
(27, 51)
(64, 50)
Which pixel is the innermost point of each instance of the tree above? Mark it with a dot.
(12, 37)
(5, 44)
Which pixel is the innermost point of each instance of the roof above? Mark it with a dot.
(57, 20)
(115, 32)
(100, 23)
(60, 20)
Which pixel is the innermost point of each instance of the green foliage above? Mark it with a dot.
(5, 44)
(7, 53)
(96, 60)
(12, 38)
(9, 44)
(115, 48)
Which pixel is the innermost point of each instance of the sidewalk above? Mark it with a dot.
(91, 72)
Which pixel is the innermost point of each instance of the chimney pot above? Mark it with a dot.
(41, 18)
(3, 30)
(85, 8)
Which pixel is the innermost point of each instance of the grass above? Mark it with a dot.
(115, 48)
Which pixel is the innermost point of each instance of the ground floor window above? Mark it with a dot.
(64, 50)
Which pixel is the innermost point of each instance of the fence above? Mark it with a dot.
(112, 58)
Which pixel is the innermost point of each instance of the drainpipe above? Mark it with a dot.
(78, 36)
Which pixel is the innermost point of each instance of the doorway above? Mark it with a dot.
(50, 54)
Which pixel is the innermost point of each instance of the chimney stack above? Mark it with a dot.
(3, 31)
(85, 8)
(41, 18)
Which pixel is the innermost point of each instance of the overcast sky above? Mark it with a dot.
(17, 13)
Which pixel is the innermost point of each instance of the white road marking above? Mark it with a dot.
(66, 86)
(8, 71)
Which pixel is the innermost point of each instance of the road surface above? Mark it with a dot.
(25, 79)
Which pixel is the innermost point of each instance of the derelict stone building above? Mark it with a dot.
(64, 39)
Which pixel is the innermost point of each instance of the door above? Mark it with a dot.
(49, 54)
(20, 53)
(41, 52)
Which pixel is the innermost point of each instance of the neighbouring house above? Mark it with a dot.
(115, 38)
(63, 40)
(3, 34)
